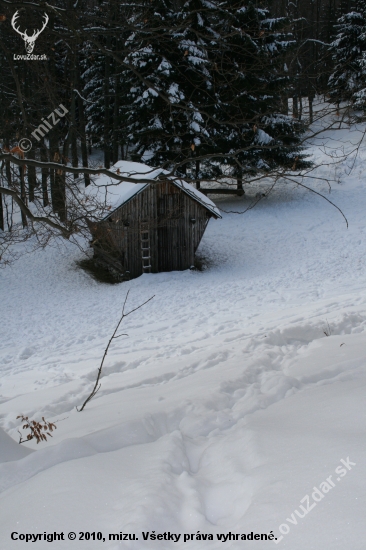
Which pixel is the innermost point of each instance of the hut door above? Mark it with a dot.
(171, 232)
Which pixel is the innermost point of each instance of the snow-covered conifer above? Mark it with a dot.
(169, 49)
(251, 88)
(347, 48)
(210, 88)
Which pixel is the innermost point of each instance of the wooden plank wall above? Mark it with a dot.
(178, 237)
(139, 209)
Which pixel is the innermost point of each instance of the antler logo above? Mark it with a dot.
(29, 40)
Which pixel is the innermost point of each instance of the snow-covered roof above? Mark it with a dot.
(197, 195)
(115, 194)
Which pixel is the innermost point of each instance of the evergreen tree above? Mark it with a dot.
(252, 89)
(170, 51)
(219, 65)
(347, 48)
(153, 123)
(93, 78)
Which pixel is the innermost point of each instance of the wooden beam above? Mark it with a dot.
(213, 191)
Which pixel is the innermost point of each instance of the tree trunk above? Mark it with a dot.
(7, 165)
(74, 149)
(82, 133)
(198, 182)
(300, 107)
(60, 180)
(311, 115)
(58, 194)
(53, 135)
(1, 213)
(239, 180)
(284, 105)
(23, 195)
(107, 155)
(32, 179)
(116, 121)
(45, 173)
(72, 138)
(52, 151)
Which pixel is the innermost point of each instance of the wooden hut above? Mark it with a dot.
(150, 227)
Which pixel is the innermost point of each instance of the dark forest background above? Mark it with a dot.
(200, 88)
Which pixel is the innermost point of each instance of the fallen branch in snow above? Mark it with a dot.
(114, 336)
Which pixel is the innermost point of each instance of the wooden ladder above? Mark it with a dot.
(145, 248)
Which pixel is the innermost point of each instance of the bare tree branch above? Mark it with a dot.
(97, 385)
(322, 196)
(72, 170)
(41, 219)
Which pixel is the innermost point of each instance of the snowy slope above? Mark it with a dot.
(225, 405)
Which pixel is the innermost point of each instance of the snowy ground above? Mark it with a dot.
(225, 405)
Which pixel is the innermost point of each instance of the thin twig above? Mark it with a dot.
(322, 196)
(329, 332)
(97, 385)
